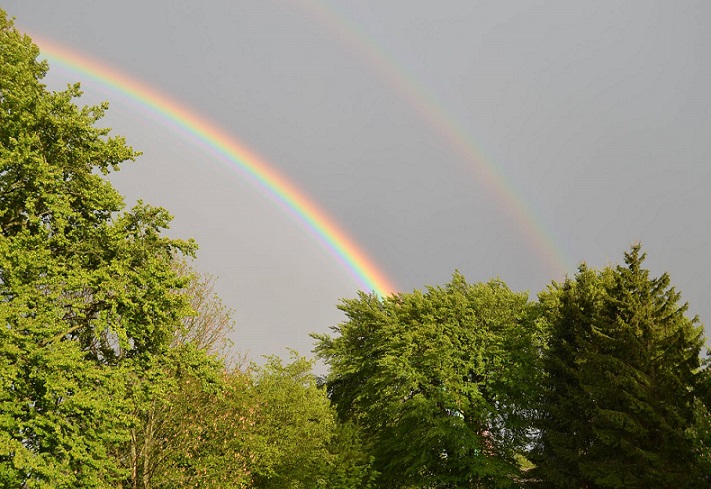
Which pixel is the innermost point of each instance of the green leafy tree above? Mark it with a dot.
(297, 442)
(623, 376)
(350, 466)
(87, 289)
(441, 382)
(192, 412)
(193, 422)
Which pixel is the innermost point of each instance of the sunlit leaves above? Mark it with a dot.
(441, 382)
(85, 285)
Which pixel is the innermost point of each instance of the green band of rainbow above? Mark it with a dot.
(236, 155)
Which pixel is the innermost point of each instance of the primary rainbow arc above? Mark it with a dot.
(237, 155)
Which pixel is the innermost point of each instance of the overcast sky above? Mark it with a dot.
(593, 117)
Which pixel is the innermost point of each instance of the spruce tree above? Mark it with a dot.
(649, 354)
(570, 310)
(622, 368)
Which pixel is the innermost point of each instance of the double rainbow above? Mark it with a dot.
(233, 152)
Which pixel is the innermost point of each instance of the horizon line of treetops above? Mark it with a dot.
(116, 368)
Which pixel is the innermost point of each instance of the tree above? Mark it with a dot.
(349, 464)
(569, 309)
(193, 424)
(87, 289)
(441, 382)
(211, 324)
(623, 378)
(297, 442)
(193, 413)
(700, 432)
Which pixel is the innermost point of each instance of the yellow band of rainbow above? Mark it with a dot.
(238, 157)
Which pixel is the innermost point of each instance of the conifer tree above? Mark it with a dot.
(570, 309)
(622, 368)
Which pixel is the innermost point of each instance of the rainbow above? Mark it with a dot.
(236, 154)
(491, 178)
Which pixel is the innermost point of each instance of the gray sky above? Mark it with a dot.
(596, 116)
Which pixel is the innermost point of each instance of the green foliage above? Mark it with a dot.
(699, 433)
(349, 464)
(59, 412)
(192, 422)
(85, 286)
(622, 369)
(297, 442)
(114, 369)
(565, 410)
(191, 416)
(441, 383)
(106, 365)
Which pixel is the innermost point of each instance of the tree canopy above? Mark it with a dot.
(85, 283)
(441, 382)
(623, 378)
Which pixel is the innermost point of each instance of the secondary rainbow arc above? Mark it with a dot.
(238, 156)
(444, 124)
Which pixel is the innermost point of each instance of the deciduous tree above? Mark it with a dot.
(297, 441)
(85, 286)
(440, 382)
